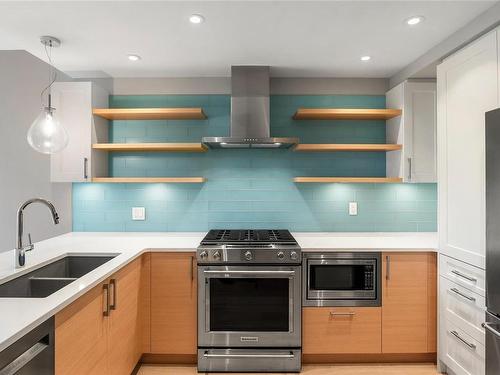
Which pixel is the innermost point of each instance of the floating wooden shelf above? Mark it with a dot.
(356, 180)
(173, 180)
(331, 147)
(345, 114)
(150, 113)
(165, 147)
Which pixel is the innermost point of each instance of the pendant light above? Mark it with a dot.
(46, 134)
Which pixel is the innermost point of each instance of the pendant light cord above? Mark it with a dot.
(52, 73)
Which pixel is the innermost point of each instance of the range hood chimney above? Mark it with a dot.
(250, 119)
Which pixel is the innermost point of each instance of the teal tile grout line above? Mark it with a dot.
(252, 189)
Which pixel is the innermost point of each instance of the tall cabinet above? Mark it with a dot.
(467, 86)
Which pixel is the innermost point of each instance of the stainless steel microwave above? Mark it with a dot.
(341, 279)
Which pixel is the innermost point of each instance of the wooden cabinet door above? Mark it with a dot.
(81, 336)
(173, 303)
(125, 323)
(408, 302)
(341, 330)
(467, 85)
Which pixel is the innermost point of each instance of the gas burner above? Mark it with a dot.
(249, 246)
(225, 236)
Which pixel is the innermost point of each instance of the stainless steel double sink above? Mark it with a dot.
(48, 279)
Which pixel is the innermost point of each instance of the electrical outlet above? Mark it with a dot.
(353, 208)
(138, 213)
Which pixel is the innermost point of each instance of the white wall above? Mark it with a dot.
(222, 85)
(24, 173)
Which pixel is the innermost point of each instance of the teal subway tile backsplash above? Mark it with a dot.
(254, 188)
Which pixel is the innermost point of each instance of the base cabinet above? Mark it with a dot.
(101, 332)
(173, 303)
(409, 308)
(341, 330)
(403, 327)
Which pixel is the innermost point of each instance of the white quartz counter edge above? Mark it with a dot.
(20, 315)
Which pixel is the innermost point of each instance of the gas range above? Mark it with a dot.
(249, 301)
(246, 246)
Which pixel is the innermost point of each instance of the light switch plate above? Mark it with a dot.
(138, 213)
(353, 208)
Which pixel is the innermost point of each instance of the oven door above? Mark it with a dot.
(342, 281)
(242, 306)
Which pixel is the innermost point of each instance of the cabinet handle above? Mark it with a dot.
(388, 267)
(409, 169)
(105, 287)
(112, 284)
(460, 274)
(192, 265)
(455, 290)
(469, 344)
(85, 168)
(334, 314)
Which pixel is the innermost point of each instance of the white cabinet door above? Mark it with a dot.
(420, 126)
(467, 88)
(415, 129)
(73, 102)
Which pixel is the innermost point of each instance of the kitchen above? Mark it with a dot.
(318, 201)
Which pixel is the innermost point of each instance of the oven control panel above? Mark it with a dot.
(249, 255)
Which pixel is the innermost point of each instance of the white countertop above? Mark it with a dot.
(20, 315)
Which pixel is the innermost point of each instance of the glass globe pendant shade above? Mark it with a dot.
(46, 134)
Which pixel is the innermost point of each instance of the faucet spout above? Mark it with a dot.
(20, 248)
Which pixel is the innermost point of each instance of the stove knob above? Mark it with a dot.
(281, 255)
(248, 255)
(203, 255)
(294, 255)
(216, 254)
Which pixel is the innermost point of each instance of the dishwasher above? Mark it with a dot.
(32, 354)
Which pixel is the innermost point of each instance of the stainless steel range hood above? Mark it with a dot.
(250, 120)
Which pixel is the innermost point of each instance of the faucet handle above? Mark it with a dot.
(30, 245)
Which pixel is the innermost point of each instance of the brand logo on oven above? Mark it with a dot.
(249, 339)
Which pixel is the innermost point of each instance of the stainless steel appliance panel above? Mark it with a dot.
(255, 321)
(492, 329)
(249, 360)
(32, 354)
(357, 282)
(493, 211)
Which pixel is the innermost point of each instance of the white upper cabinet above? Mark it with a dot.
(467, 88)
(73, 102)
(415, 129)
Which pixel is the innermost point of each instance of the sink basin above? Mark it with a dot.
(49, 279)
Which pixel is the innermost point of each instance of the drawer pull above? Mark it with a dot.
(333, 314)
(469, 344)
(455, 290)
(460, 274)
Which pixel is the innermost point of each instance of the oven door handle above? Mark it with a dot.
(248, 272)
(207, 355)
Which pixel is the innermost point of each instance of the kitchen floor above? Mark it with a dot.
(362, 369)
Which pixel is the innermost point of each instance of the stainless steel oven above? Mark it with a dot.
(241, 306)
(249, 301)
(341, 279)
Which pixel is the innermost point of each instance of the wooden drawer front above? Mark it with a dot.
(463, 308)
(332, 330)
(463, 357)
(464, 274)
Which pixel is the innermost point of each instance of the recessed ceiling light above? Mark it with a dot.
(365, 58)
(414, 20)
(134, 57)
(196, 18)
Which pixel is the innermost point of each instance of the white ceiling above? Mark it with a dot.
(297, 38)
